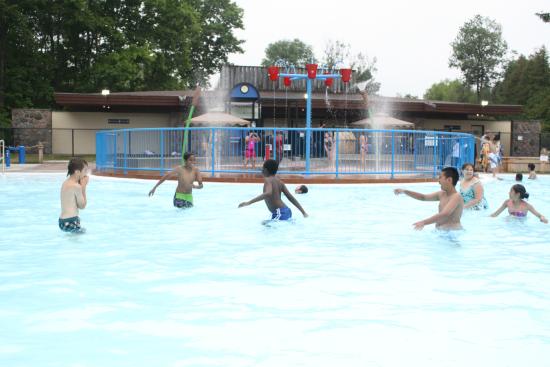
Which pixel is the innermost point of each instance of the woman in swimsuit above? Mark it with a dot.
(364, 149)
(329, 148)
(250, 149)
(471, 189)
(517, 207)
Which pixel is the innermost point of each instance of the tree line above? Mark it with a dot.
(479, 51)
(123, 45)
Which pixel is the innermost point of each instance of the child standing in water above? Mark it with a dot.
(186, 175)
(272, 194)
(73, 195)
(517, 207)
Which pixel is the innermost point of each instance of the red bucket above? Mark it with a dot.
(311, 70)
(346, 75)
(287, 82)
(273, 73)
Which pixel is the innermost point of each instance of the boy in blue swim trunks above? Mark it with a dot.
(186, 175)
(73, 195)
(272, 194)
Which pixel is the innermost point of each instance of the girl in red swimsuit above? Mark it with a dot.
(517, 206)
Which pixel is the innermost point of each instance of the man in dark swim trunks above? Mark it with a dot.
(186, 175)
(272, 194)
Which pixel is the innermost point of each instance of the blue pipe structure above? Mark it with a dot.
(295, 76)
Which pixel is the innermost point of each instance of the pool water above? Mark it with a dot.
(353, 285)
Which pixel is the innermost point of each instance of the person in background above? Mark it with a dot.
(279, 146)
(519, 177)
(250, 148)
(451, 203)
(302, 189)
(73, 195)
(471, 189)
(532, 173)
(517, 206)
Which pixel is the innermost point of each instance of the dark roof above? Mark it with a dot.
(352, 101)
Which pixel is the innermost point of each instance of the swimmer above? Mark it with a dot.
(272, 194)
(187, 175)
(519, 177)
(73, 195)
(302, 189)
(517, 207)
(451, 203)
(532, 173)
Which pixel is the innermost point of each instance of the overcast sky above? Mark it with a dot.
(410, 39)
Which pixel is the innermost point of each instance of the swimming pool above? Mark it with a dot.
(353, 285)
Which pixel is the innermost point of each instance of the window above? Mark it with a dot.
(118, 121)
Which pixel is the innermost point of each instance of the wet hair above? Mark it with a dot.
(186, 155)
(496, 137)
(303, 189)
(519, 176)
(76, 164)
(531, 166)
(520, 189)
(271, 166)
(452, 173)
(468, 165)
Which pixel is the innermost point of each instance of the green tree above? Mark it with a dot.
(338, 53)
(293, 52)
(526, 81)
(87, 45)
(478, 51)
(544, 16)
(451, 91)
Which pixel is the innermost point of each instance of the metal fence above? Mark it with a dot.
(337, 152)
(62, 141)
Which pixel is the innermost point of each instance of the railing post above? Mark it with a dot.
(337, 155)
(274, 145)
(434, 145)
(308, 124)
(72, 141)
(213, 152)
(162, 152)
(392, 153)
(125, 153)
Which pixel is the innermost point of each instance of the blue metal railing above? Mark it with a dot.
(337, 152)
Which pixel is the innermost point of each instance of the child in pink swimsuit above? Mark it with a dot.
(517, 207)
(250, 150)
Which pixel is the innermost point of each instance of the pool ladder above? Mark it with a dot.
(3, 156)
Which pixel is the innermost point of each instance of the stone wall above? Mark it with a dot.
(525, 140)
(31, 126)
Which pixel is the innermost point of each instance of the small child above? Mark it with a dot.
(532, 173)
(517, 207)
(73, 195)
(272, 194)
(302, 189)
(519, 177)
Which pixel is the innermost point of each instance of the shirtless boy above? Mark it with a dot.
(73, 195)
(451, 203)
(187, 175)
(272, 194)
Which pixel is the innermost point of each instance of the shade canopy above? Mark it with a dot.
(383, 121)
(218, 119)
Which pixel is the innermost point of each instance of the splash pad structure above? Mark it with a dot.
(312, 74)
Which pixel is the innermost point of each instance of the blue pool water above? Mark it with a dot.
(353, 285)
